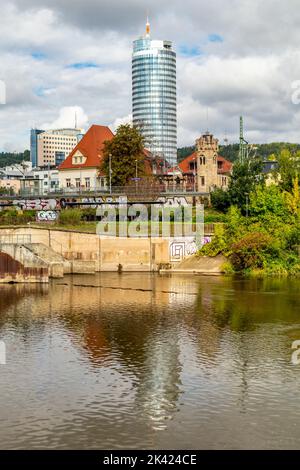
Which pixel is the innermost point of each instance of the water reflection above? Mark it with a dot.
(138, 360)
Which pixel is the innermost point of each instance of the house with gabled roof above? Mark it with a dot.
(82, 168)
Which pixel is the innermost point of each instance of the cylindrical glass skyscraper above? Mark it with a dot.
(154, 95)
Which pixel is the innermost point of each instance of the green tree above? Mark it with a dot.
(10, 158)
(267, 200)
(245, 177)
(126, 153)
(288, 168)
(220, 200)
(293, 198)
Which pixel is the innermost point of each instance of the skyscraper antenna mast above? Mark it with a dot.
(147, 25)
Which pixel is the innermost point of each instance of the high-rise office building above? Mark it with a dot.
(34, 146)
(51, 148)
(154, 95)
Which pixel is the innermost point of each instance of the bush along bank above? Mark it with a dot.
(267, 242)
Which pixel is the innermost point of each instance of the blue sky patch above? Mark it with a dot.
(189, 51)
(38, 55)
(40, 91)
(215, 38)
(83, 65)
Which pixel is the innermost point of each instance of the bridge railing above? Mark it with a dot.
(115, 191)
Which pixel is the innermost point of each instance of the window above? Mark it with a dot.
(87, 182)
(77, 182)
(202, 179)
(68, 182)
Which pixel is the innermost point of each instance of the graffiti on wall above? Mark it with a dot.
(181, 248)
(173, 201)
(95, 202)
(47, 216)
(37, 204)
(91, 202)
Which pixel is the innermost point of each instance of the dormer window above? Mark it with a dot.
(78, 158)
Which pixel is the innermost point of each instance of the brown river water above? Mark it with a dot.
(147, 361)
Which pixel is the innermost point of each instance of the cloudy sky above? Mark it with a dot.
(233, 57)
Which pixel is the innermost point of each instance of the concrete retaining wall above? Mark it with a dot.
(12, 270)
(89, 253)
(53, 260)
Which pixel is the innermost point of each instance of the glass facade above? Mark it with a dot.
(154, 95)
(33, 146)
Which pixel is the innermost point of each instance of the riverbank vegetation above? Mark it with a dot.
(261, 233)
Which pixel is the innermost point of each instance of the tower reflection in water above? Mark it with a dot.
(140, 346)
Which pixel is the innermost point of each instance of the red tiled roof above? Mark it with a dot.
(226, 165)
(184, 165)
(90, 146)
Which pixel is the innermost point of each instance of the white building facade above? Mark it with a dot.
(54, 146)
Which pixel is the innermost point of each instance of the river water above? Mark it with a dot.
(147, 361)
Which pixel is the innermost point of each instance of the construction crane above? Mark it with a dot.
(246, 150)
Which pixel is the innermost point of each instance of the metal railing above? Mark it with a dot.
(14, 239)
(115, 191)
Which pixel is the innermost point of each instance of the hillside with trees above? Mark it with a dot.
(231, 151)
(10, 158)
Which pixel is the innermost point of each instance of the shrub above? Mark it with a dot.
(16, 217)
(88, 214)
(217, 245)
(9, 216)
(214, 218)
(251, 251)
(70, 217)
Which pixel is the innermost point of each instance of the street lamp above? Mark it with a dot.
(136, 175)
(110, 171)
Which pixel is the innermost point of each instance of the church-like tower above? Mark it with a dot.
(207, 148)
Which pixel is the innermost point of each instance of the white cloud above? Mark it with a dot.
(68, 116)
(119, 121)
(54, 54)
